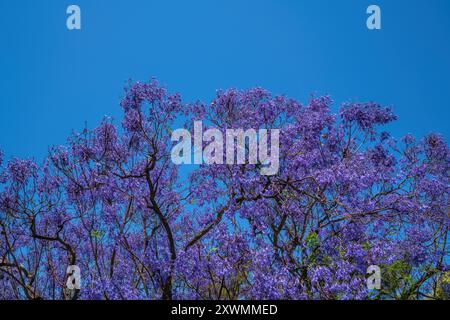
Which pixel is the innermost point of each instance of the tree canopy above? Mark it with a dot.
(347, 195)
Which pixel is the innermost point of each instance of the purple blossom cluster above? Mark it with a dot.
(347, 196)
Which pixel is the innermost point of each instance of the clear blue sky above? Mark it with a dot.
(52, 80)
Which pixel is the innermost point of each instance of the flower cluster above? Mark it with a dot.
(112, 202)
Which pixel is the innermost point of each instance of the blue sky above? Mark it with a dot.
(54, 80)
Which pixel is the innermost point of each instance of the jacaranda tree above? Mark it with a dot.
(347, 196)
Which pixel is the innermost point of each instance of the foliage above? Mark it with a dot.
(111, 201)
